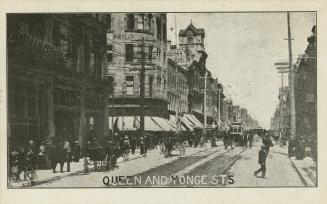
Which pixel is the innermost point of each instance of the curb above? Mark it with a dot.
(71, 174)
(81, 171)
(303, 180)
(299, 173)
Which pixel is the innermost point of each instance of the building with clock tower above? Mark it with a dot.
(191, 41)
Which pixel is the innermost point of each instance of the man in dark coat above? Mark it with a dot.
(225, 139)
(76, 152)
(262, 161)
(109, 147)
(57, 155)
(33, 152)
(117, 152)
(142, 146)
(133, 144)
(266, 141)
(230, 139)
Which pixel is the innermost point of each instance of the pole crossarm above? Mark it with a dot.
(282, 67)
(281, 64)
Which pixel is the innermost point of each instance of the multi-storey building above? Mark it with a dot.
(191, 42)
(224, 114)
(220, 103)
(177, 55)
(177, 91)
(212, 98)
(305, 89)
(56, 83)
(134, 39)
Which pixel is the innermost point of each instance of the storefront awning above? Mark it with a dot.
(111, 120)
(195, 121)
(149, 124)
(132, 123)
(127, 123)
(172, 121)
(188, 124)
(164, 124)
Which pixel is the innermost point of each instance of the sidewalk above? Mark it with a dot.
(75, 167)
(306, 168)
(280, 171)
(135, 164)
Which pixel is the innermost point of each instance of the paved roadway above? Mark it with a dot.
(206, 168)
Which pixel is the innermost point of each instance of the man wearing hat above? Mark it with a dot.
(126, 147)
(262, 161)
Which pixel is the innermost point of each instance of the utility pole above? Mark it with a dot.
(205, 101)
(142, 76)
(122, 118)
(175, 31)
(178, 103)
(282, 68)
(219, 109)
(112, 106)
(291, 79)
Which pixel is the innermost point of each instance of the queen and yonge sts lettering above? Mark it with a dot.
(198, 180)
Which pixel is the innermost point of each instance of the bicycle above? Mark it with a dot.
(14, 176)
(30, 175)
(30, 178)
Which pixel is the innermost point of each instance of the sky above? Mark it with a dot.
(242, 49)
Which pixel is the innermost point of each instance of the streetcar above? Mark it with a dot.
(236, 131)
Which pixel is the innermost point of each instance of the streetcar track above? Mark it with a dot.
(219, 159)
(231, 164)
(192, 158)
(200, 163)
(218, 156)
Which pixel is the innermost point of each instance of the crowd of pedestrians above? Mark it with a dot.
(243, 140)
(304, 145)
(46, 155)
(61, 152)
(122, 144)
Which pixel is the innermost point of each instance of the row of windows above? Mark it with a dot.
(144, 22)
(65, 38)
(131, 84)
(177, 83)
(141, 22)
(134, 52)
(174, 103)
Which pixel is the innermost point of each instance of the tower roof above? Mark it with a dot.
(193, 29)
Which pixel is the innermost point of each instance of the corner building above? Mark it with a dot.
(128, 36)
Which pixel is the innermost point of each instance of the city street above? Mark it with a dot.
(207, 167)
(126, 92)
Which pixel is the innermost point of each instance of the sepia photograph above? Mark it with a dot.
(161, 100)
